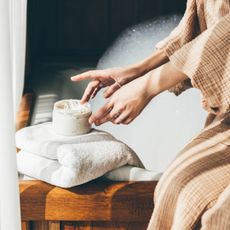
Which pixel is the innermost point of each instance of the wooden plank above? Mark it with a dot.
(172, 7)
(82, 25)
(40, 225)
(54, 225)
(94, 201)
(123, 14)
(25, 110)
(149, 9)
(25, 225)
(58, 27)
(105, 225)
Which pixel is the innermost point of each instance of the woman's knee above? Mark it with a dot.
(184, 186)
(170, 186)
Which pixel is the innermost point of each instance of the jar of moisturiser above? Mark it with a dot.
(71, 118)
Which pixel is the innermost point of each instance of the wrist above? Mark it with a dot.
(152, 86)
(129, 74)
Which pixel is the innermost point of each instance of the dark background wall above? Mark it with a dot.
(85, 28)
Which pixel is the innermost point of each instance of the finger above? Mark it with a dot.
(97, 90)
(121, 118)
(100, 114)
(89, 91)
(113, 114)
(89, 75)
(110, 90)
(127, 120)
(104, 119)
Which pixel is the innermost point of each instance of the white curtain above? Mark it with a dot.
(12, 64)
(18, 11)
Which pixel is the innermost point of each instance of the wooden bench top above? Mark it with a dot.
(99, 200)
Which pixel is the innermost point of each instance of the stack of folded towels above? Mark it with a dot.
(67, 161)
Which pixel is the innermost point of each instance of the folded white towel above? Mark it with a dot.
(42, 140)
(106, 153)
(126, 173)
(47, 170)
(131, 173)
(52, 172)
(69, 161)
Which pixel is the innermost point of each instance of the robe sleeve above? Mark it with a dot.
(187, 29)
(206, 61)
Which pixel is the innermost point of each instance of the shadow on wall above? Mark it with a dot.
(162, 129)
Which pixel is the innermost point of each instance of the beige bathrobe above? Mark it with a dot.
(194, 192)
(200, 47)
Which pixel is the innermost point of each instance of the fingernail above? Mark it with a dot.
(82, 101)
(117, 122)
(106, 95)
(97, 123)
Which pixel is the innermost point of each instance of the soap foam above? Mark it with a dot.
(72, 106)
(138, 42)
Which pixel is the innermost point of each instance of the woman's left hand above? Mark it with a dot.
(125, 104)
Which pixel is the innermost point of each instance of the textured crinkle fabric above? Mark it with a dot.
(200, 47)
(190, 190)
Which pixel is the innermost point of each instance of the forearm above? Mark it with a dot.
(139, 69)
(163, 78)
(157, 59)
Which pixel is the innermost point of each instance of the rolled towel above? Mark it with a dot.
(109, 153)
(46, 170)
(51, 171)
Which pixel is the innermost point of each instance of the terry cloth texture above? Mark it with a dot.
(200, 47)
(69, 161)
(195, 187)
(124, 173)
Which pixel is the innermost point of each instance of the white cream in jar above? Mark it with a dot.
(71, 118)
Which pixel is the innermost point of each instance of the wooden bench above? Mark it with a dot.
(98, 205)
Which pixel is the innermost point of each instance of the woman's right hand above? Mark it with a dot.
(112, 78)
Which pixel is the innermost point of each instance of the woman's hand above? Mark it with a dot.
(128, 102)
(125, 104)
(112, 78)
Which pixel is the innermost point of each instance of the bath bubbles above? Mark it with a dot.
(137, 42)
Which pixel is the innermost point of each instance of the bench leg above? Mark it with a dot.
(46, 225)
(54, 225)
(25, 225)
(100, 225)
